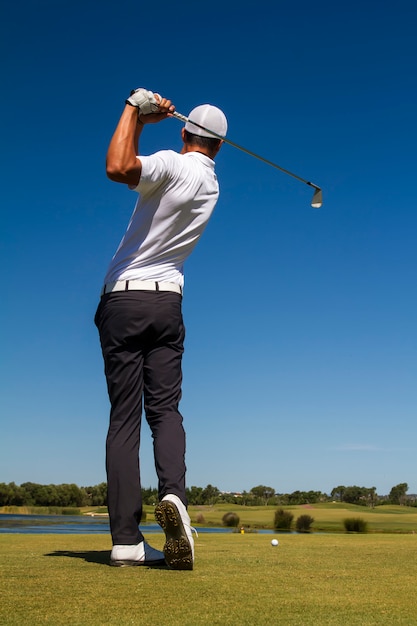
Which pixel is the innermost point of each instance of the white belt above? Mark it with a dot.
(140, 285)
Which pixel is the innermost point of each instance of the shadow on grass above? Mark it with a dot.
(102, 557)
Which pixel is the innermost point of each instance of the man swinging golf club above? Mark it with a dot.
(140, 321)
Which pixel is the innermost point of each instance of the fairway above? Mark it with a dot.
(238, 579)
(328, 517)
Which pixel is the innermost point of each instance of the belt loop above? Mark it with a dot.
(127, 286)
(157, 286)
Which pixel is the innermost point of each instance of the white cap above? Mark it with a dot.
(208, 116)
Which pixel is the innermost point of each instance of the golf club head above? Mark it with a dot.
(317, 200)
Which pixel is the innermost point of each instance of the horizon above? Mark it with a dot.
(220, 492)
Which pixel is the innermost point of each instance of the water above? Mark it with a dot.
(56, 524)
(77, 525)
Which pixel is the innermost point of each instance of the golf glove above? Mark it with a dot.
(144, 100)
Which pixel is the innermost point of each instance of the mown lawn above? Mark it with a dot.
(328, 517)
(238, 580)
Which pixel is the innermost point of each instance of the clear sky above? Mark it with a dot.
(300, 362)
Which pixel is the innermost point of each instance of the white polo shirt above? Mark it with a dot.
(178, 193)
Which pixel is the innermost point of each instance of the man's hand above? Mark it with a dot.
(144, 100)
(164, 109)
(151, 106)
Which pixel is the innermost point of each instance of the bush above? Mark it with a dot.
(231, 520)
(200, 519)
(355, 525)
(303, 523)
(283, 520)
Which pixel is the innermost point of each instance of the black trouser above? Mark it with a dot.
(142, 336)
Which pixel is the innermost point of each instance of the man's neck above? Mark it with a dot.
(190, 148)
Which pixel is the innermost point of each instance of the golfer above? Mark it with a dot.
(140, 322)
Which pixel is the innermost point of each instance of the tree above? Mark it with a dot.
(194, 494)
(305, 497)
(29, 490)
(338, 493)
(356, 495)
(397, 495)
(209, 495)
(149, 496)
(263, 493)
(365, 496)
(11, 495)
(372, 497)
(95, 495)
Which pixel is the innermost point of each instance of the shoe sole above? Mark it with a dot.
(177, 549)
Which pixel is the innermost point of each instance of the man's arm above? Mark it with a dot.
(122, 164)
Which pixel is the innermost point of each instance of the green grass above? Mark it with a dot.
(328, 517)
(238, 580)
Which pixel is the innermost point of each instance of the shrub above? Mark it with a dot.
(303, 523)
(283, 520)
(230, 520)
(355, 525)
(200, 519)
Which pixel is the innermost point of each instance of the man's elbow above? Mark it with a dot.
(115, 174)
(128, 176)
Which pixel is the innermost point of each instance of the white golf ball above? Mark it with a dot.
(274, 542)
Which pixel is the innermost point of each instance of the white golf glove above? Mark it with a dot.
(144, 100)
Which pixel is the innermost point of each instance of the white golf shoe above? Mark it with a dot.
(173, 518)
(139, 554)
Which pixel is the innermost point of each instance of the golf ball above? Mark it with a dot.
(274, 542)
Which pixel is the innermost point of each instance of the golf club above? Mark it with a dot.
(317, 200)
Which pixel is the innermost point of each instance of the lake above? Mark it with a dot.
(77, 525)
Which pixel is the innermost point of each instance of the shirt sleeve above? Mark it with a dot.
(156, 168)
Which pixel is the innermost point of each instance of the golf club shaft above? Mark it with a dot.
(317, 194)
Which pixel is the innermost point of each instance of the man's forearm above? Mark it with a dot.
(122, 166)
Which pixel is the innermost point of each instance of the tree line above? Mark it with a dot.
(71, 495)
(65, 495)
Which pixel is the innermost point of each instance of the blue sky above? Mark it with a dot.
(300, 362)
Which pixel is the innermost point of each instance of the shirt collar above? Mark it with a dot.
(202, 157)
